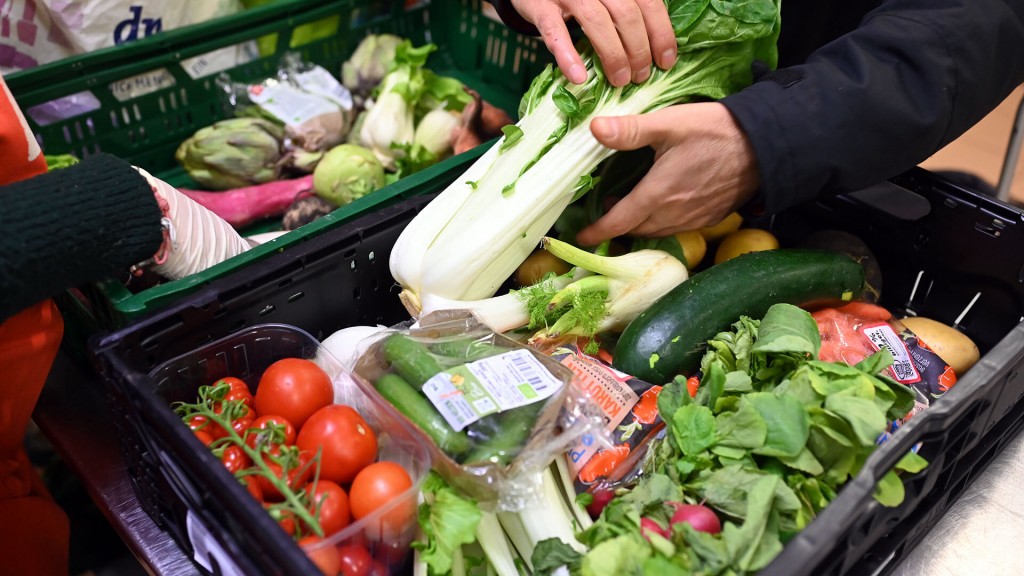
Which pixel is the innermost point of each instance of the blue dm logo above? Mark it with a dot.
(128, 29)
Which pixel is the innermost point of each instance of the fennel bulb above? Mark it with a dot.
(471, 238)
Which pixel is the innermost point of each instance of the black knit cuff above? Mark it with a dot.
(513, 19)
(73, 226)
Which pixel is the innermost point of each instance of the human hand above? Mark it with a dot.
(626, 34)
(704, 168)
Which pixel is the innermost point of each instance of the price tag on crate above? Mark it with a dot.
(208, 552)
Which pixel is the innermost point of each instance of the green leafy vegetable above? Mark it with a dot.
(449, 522)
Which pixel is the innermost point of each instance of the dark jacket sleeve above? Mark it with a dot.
(72, 226)
(879, 100)
(512, 18)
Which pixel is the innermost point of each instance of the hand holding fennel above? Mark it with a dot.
(471, 238)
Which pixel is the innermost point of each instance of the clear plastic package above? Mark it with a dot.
(497, 412)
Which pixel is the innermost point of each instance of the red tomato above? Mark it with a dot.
(376, 486)
(294, 388)
(325, 556)
(346, 441)
(203, 437)
(295, 479)
(334, 510)
(262, 431)
(235, 459)
(355, 560)
(253, 487)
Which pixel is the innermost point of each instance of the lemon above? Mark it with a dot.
(728, 225)
(743, 241)
(694, 247)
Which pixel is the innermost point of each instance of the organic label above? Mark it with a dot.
(468, 392)
(881, 335)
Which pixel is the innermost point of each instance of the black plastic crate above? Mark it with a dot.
(957, 241)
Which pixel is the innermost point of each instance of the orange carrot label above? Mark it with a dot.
(630, 408)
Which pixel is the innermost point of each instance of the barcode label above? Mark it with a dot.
(527, 367)
(466, 393)
(881, 335)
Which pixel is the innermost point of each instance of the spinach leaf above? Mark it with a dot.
(788, 329)
(786, 420)
(694, 429)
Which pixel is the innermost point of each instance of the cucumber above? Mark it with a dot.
(418, 409)
(508, 432)
(669, 337)
(411, 359)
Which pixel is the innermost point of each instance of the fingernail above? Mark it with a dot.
(620, 77)
(577, 74)
(668, 58)
(642, 74)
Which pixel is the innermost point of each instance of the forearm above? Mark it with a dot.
(876, 102)
(73, 226)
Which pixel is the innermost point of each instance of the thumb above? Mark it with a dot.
(626, 132)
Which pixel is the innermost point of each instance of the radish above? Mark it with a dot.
(243, 206)
(648, 527)
(601, 499)
(702, 518)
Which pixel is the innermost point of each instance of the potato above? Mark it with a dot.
(728, 225)
(537, 265)
(953, 346)
(694, 247)
(743, 241)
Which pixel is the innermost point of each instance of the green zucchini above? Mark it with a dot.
(669, 337)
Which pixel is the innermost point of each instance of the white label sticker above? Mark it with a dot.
(293, 106)
(468, 392)
(881, 335)
(321, 82)
(209, 552)
(135, 86)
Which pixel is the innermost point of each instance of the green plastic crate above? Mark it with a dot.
(146, 129)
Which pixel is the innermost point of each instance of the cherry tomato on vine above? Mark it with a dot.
(293, 388)
(203, 436)
(284, 518)
(263, 424)
(253, 487)
(235, 459)
(200, 422)
(238, 390)
(324, 556)
(346, 441)
(334, 512)
(375, 487)
(297, 475)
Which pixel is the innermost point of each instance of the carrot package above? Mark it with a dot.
(497, 412)
(857, 330)
(629, 410)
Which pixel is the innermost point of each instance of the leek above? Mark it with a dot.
(470, 239)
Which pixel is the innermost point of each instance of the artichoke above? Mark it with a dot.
(369, 63)
(233, 153)
(346, 173)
